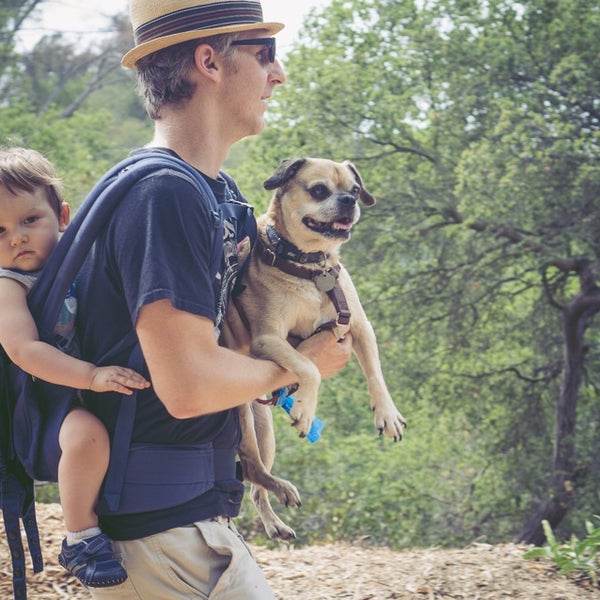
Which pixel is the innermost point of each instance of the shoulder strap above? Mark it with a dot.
(47, 294)
(240, 211)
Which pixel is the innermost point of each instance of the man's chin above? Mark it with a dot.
(256, 130)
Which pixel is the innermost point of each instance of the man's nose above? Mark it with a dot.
(277, 75)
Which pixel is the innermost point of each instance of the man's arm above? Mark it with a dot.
(193, 375)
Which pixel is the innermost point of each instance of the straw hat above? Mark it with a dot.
(158, 24)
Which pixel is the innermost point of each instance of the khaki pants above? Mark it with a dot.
(208, 559)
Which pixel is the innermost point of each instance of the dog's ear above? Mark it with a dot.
(285, 171)
(364, 194)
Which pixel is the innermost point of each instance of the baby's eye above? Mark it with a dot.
(2, 230)
(30, 220)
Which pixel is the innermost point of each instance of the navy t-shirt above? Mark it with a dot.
(157, 246)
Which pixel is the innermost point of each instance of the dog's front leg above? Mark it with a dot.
(388, 419)
(279, 350)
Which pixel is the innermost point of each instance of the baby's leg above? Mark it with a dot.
(85, 453)
(86, 552)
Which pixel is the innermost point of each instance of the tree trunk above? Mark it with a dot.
(576, 318)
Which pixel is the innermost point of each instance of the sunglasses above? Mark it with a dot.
(266, 41)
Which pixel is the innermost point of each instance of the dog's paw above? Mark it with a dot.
(302, 426)
(274, 526)
(287, 493)
(302, 418)
(389, 422)
(278, 530)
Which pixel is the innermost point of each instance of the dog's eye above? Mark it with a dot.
(355, 191)
(319, 192)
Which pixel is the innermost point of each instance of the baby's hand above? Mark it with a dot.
(117, 379)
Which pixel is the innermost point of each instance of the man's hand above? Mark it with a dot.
(329, 354)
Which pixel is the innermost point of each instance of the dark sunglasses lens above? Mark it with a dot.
(272, 49)
(269, 42)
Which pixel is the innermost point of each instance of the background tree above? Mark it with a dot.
(477, 126)
(13, 13)
(71, 101)
(58, 73)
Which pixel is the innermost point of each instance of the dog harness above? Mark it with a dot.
(326, 280)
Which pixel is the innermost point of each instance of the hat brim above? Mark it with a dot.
(131, 57)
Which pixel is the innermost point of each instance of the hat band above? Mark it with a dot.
(210, 16)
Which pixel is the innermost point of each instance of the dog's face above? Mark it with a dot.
(316, 201)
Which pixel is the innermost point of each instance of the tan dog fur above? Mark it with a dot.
(314, 207)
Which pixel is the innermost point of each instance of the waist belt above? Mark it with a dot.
(158, 476)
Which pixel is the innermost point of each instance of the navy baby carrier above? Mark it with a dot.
(32, 411)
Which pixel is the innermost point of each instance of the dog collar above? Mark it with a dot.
(288, 251)
(326, 280)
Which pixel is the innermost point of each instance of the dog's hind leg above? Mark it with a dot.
(265, 437)
(274, 526)
(257, 455)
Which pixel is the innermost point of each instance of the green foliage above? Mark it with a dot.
(46, 493)
(76, 105)
(575, 556)
(355, 484)
(465, 124)
(79, 146)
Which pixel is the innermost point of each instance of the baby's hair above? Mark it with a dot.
(24, 169)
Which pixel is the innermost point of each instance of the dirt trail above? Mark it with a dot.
(353, 572)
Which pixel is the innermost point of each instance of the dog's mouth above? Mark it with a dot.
(337, 229)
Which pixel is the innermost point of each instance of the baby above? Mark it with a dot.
(32, 216)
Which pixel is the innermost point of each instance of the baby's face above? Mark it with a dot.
(29, 229)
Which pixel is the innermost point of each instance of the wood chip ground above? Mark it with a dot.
(352, 572)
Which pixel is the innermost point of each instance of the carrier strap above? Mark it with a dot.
(18, 503)
(115, 475)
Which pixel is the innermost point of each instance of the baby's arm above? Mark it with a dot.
(19, 338)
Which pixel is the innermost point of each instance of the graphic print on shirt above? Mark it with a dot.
(229, 273)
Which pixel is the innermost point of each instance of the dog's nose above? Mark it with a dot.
(347, 199)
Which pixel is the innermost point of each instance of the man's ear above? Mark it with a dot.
(207, 61)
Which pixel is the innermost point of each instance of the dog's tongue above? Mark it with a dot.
(343, 225)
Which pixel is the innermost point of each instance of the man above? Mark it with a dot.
(205, 69)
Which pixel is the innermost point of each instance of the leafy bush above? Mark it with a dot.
(430, 489)
(575, 556)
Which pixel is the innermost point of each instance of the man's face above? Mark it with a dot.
(253, 75)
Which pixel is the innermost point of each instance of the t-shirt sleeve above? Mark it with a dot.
(162, 239)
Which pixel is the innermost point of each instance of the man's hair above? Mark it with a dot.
(25, 170)
(162, 77)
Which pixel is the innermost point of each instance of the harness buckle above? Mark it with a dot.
(269, 257)
(343, 317)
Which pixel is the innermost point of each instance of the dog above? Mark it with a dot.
(293, 286)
